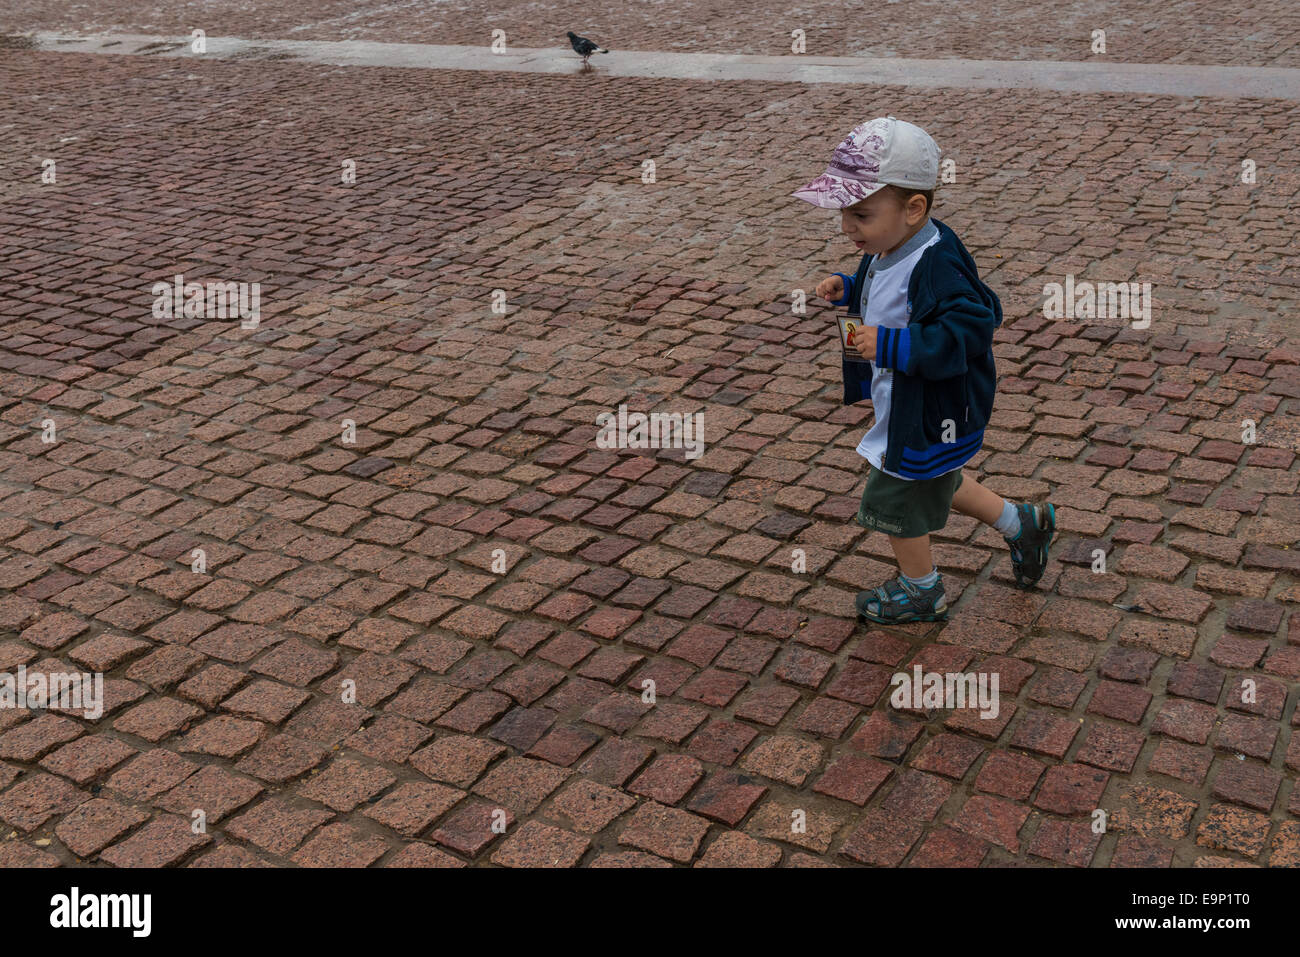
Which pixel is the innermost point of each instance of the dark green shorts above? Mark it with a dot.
(904, 508)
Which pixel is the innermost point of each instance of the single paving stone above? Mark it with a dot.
(222, 736)
(625, 859)
(326, 721)
(228, 856)
(212, 790)
(886, 734)
(1111, 748)
(1231, 828)
(948, 754)
(540, 845)
(472, 827)
(1153, 811)
(1163, 638)
(167, 666)
(1071, 789)
(664, 831)
(87, 758)
(158, 718)
(280, 759)
(1009, 774)
(1065, 842)
(1181, 761)
(346, 783)
(475, 712)
(1134, 851)
(1251, 614)
(340, 845)
(668, 779)
(721, 742)
(1234, 651)
(1045, 733)
(1247, 784)
(1123, 702)
(297, 662)
(389, 738)
(948, 847)
(94, 825)
(916, 795)
(727, 797)
(992, 819)
(1284, 849)
(413, 807)
(37, 737)
(1185, 720)
(211, 685)
(521, 728)
(564, 745)
(276, 826)
(521, 784)
(16, 855)
(1193, 680)
(881, 839)
(422, 855)
(785, 759)
(853, 777)
(590, 807)
(163, 842)
(150, 774)
(1254, 737)
(736, 849)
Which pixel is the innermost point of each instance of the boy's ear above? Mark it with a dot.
(915, 208)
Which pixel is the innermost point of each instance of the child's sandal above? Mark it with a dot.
(897, 603)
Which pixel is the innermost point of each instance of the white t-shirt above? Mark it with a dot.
(884, 303)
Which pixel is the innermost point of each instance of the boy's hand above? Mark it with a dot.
(864, 340)
(831, 288)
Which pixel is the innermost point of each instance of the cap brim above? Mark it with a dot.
(832, 192)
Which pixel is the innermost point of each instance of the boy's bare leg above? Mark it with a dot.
(975, 500)
(913, 555)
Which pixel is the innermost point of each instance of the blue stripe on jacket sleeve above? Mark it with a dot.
(848, 290)
(893, 347)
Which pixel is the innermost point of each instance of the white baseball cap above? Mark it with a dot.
(882, 152)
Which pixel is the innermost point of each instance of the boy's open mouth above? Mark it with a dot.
(859, 243)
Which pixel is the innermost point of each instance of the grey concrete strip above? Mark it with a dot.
(1093, 76)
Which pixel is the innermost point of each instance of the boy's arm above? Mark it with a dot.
(939, 349)
(848, 290)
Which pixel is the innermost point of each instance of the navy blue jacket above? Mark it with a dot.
(942, 361)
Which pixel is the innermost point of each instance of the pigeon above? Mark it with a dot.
(584, 47)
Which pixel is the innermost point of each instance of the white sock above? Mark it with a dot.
(1009, 522)
(925, 581)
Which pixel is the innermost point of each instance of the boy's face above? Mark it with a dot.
(882, 222)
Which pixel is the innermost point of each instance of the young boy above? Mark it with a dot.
(924, 357)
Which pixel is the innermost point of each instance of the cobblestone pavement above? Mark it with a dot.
(497, 589)
(1260, 33)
